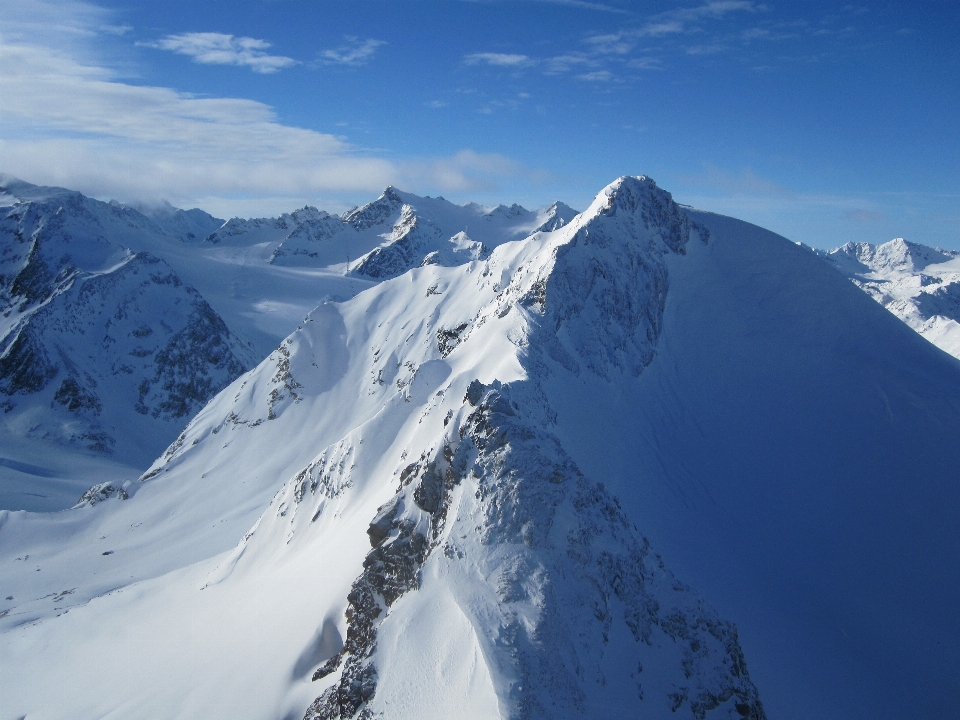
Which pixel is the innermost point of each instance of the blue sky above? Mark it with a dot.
(821, 121)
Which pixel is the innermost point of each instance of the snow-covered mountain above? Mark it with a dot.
(655, 462)
(394, 233)
(254, 282)
(101, 348)
(918, 284)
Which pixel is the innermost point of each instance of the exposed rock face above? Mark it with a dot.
(410, 237)
(102, 336)
(567, 578)
(604, 297)
(377, 212)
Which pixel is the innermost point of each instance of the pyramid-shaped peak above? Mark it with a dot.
(628, 193)
(561, 207)
(899, 254)
(376, 212)
(390, 193)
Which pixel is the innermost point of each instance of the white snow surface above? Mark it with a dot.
(918, 284)
(235, 286)
(463, 458)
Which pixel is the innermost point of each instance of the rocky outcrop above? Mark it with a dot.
(566, 574)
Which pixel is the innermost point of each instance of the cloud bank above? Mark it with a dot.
(73, 123)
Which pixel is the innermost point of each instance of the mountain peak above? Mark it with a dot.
(626, 190)
(376, 212)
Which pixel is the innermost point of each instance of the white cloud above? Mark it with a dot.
(598, 76)
(583, 4)
(679, 20)
(663, 27)
(716, 8)
(355, 52)
(607, 54)
(565, 63)
(613, 44)
(118, 30)
(211, 48)
(499, 60)
(74, 124)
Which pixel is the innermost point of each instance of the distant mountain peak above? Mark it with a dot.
(917, 283)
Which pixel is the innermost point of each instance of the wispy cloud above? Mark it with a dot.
(678, 21)
(355, 51)
(610, 56)
(603, 7)
(118, 30)
(716, 8)
(212, 48)
(598, 76)
(864, 216)
(613, 44)
(74, 124)
(505, 60)
(582, 4)
(560, 64)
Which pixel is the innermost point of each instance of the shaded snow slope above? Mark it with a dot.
(478, 491)
(101, 349)
(116, 361)
(918, 284)
(791, 451)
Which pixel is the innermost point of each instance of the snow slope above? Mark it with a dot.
(918, 284)
(447, 495)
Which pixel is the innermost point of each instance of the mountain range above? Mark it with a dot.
(918, 284)
(642, 460)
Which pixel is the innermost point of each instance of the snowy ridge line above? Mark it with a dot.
(399, 231)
